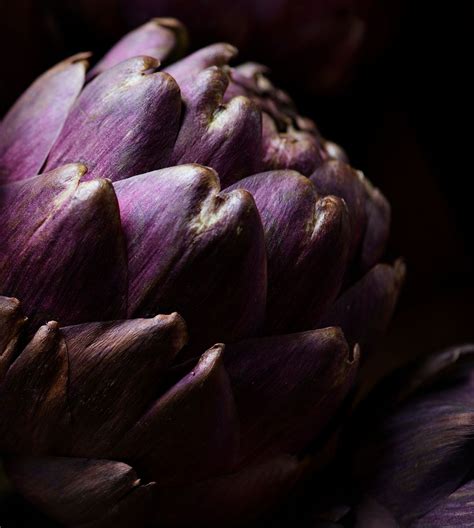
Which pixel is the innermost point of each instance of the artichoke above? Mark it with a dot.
(415, 466)
(197, 270)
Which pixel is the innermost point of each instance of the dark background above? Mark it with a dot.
(405, 119)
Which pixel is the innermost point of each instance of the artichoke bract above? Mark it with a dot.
(188, 272)
(415, 466)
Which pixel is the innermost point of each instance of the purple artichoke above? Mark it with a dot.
(131, 194)
(416, 465)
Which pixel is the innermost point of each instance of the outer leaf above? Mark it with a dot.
(336, 178)
(160, 38)
(421, 450)
(456, 511)
(288, 387)
(290, 149)
(186, 69)
(32, 125)
(63, 252)
(191, 432)
(11, 322)
(83, 492)
(33, 395)
(114, 374)
(307, 242)
(364, 310)
(194, 250)
(226, 137)
(124, 123)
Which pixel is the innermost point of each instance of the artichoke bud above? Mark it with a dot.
(198, 267)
